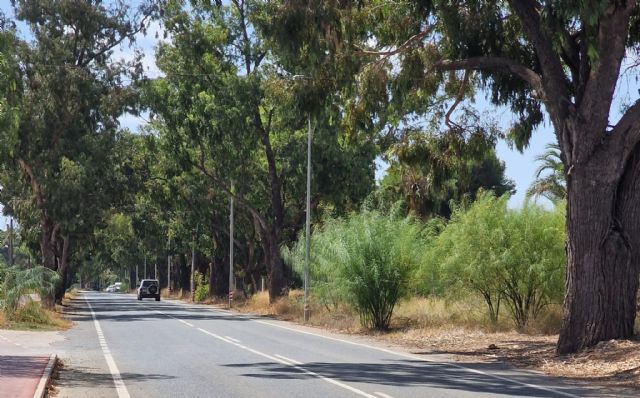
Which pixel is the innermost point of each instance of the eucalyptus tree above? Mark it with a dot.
(429, 171)
(562, 58)
(233, 113)
(73, 93)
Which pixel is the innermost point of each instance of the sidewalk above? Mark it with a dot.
(24, 357)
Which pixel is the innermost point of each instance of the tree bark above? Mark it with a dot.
(276, 271)
(603, 255)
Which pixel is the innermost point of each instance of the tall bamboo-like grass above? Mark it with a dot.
(365, 260)
(19, 282)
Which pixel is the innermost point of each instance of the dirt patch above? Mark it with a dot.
(614, 364)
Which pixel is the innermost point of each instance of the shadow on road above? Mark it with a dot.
(407, 373)
(22, 366)
(71, 377)
(124, 310)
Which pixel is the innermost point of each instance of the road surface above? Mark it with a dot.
(121, 347)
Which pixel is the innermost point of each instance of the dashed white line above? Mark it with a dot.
(232, 339)
(418, 358)
(383, 395)
(397, 353)
(121, 389)
(288, 359)
(177, 319)
(293, 365)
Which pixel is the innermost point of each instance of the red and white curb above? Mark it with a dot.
(41, 390)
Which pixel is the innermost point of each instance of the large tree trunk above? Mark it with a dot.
(276, 270)
(219, 281)
(603, 251)
(47, 243)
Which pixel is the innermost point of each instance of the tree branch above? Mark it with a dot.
(459, 97)
(35, 186)
(254, 212)
(601, 83)
(402, 47)
(627, 130)
(496, 64)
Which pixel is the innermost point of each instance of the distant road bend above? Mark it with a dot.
(121, 347)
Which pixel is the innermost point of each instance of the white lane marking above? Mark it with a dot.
(177, 319)
(293, 365)
(396, 353)
(288, 359)
(383, 395)
(232, 339)
(415, 357)
(121, 389)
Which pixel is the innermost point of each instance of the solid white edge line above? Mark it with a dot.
(121, 389)
(401, 354)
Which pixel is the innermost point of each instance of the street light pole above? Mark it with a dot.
(231, 280)
(307, 229)
(193, 265)
(169, 266)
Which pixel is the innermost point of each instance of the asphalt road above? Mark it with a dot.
(120, 347)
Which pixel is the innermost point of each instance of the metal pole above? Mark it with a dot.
(193, 265)
(11, 241)
(169, 267)
(307, 229)
(137, 276)
(144, 276)
(231, 281)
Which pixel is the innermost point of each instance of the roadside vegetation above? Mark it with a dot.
(239, 90)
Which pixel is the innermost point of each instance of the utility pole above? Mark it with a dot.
(307, 229)
(193, 265)
(231, 280)
(11, 241)
(144, 276)
(169, 267)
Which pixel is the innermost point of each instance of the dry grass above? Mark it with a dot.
(291, 308)
(71, 294)
(175, 294)
(34, 317)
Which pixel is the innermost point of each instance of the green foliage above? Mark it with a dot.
(550, 180)
(18, 282)
(515, 256)
(202, 288)
(366, 259)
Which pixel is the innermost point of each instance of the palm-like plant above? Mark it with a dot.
(18, 282)
(550, 179)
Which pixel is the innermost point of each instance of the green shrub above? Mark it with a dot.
(511, 256)
(202, 288)
(366, 260)
(18, 282)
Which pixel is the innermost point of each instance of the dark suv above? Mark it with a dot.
(149, 288)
